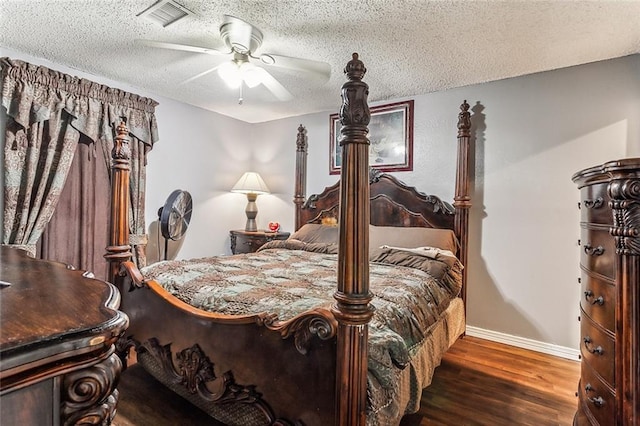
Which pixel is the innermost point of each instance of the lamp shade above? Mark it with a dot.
(251, 183)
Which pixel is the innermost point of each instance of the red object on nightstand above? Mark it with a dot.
(274, 226)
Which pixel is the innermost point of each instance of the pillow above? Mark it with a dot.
(316, 233)
(412, 237)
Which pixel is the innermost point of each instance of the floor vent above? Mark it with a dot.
(165, 12)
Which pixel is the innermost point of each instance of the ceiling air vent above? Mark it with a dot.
(165, 12)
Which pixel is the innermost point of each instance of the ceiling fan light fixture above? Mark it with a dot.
(251, 74)
(230, 74)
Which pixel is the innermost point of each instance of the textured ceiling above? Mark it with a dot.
(410, 47)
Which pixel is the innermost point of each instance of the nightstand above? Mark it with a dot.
(249, 242)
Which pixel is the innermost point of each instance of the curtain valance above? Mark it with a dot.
(48, 111)
(32, 93)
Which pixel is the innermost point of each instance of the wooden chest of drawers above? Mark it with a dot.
(609, 388)
(250, 241)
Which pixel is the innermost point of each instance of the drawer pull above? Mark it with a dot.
(597, 301)
(593, 251)
(597, 350)
(597, 401)
(594, 204)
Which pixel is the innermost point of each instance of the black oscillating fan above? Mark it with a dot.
(174, 217)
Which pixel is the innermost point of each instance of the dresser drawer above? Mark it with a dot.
(597, 349)
(594, 204)
(599, 301)
(597, 251)
(596, 397)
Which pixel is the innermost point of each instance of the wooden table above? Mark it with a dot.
(57, 354)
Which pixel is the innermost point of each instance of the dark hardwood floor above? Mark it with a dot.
(490, 384)
(478, 383)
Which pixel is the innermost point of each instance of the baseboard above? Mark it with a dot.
(524, 343)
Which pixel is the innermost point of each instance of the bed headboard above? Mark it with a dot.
(393, 203)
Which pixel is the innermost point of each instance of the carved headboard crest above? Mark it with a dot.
(374, 175)
(393, 204)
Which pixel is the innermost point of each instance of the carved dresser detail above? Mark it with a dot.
(609, 388)
(57, 357)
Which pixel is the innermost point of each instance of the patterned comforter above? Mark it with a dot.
(411, 289)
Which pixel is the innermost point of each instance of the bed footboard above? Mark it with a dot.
(242, 370)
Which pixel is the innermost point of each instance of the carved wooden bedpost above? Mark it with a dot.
(462, 199)
(119, 249)
(352, 309)
(301, 174)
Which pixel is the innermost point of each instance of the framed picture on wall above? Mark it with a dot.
(390, 136)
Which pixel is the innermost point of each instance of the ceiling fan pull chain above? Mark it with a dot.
(240, 98)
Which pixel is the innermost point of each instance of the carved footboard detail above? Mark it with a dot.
(318, 322)
(123, 345)
(193, 377)
(129, 270)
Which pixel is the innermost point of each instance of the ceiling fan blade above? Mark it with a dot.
(321, 69)
(183, 47)
(274, 85)
(202, 74)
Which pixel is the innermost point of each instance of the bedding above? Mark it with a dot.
(316, 233)
(411, 289)
(412, 237)
(393, 236)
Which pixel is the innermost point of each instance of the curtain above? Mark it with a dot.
(48, 113)
(77, 233)
(36, 161)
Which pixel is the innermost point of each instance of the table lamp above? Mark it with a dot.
(251, 184)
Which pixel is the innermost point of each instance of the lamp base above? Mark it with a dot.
(251, 212)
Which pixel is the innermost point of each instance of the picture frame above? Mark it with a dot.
(390, 136)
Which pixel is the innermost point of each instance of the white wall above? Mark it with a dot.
(532, 132)
(541, 129)
(204, 153)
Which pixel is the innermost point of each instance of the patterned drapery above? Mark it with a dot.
(36, 161)
(47, 111)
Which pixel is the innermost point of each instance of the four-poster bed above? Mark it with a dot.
(305, 365)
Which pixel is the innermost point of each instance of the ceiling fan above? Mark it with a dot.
(245, 68)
